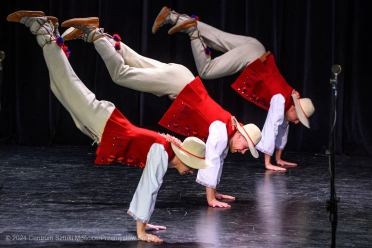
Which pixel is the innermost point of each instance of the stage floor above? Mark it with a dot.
(57, 197)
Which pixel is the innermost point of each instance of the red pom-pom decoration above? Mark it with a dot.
(208, 51)
(116, 37)
(117, 46)
(195, 16)
(60, 41)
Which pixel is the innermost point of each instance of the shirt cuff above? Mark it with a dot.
(264, 151)
(205, 184)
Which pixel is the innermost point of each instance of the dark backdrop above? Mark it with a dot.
(307, 38)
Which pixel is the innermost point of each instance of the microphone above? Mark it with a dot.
(336, 69)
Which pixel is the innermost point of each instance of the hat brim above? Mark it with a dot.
(190, 161)
(252, 149)
(300, 114)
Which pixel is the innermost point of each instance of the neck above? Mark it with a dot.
(289, 110)
(173, 162)
(232, 137)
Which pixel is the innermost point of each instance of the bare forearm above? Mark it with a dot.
(278, 154)
(211, 194)
(267, 159)
(141, 229)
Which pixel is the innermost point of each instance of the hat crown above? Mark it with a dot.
(253, 132)
(307, 106)
(304, 109)
(194, 147)
(192, 153)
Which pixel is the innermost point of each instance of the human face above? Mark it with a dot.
(181, 167)
(292, 115)
(238, 143)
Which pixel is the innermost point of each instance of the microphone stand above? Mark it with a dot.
(331, 204)
(2, 56)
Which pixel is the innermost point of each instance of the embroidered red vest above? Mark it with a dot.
(193, 111)
(122, 142)
(260, 81)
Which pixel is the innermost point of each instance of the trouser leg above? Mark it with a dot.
(239, 50)
(129, 69)
(89, 114)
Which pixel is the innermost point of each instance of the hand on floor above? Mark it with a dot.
(150, 227)
(274, 168)
(150, 238)
(215, 203)
(285, 163)
(220, 196)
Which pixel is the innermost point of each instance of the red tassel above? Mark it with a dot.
(66, 51)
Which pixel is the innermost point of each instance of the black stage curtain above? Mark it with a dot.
(307, 38)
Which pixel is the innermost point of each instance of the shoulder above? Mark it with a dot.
(217, 126)
(278, 98)
(157, 147)
(217, 131)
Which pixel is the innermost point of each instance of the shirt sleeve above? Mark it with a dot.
(216, 152)
(144, 198)
(274, 120)
(282, 137)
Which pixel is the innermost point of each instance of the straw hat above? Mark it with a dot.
(252, 134)
(304, 109)
(192, 153)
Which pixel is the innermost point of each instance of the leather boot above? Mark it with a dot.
(85, 28)
(39, 24)
(54, 21)
(75, 34)
(189, 26)
(167, 16)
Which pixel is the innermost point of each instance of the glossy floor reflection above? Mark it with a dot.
(57, 197)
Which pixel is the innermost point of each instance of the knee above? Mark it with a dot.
(203, 74)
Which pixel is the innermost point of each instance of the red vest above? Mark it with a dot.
(260, 81)
(122, 142)
(193, 111)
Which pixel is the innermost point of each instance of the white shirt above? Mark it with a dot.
(275, 130)
(144, 198)
(216, 152)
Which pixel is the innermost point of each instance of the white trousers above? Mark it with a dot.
(89, 114)
(129, 69)
(239, 51)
